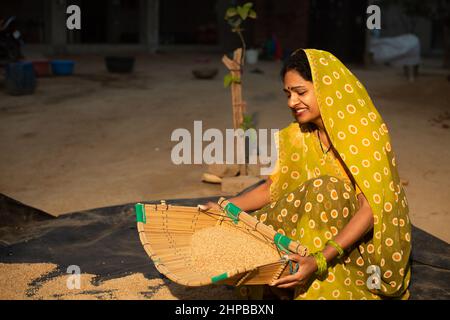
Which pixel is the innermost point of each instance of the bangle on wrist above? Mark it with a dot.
(321, 263)
(338, 248)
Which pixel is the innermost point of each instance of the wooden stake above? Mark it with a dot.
(238, 105)
(236, 88)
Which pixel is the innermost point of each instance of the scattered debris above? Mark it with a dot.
(257, 71)
(223, 170)
(441, 119)
(211, 178)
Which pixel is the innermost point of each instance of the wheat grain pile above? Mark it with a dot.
(22, 281)
(220, 249)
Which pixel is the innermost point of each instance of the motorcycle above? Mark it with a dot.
(10, 41)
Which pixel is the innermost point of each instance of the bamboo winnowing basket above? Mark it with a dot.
(165, 232)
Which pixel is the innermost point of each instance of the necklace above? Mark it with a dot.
(320, 141)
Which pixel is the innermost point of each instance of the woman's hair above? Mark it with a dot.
(298, 61)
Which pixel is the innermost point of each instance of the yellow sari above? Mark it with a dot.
(313, 198)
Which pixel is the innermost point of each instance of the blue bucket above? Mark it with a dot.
(20, 78)
(62, 67)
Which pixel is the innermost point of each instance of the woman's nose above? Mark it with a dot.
(293, 101)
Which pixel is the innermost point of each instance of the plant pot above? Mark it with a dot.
(62, 67)
(205, 73)
(120, 64)
(20, 78)
(41, 68)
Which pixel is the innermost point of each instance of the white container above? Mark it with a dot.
(252, 56)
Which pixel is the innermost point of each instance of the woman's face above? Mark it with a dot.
(301, 98)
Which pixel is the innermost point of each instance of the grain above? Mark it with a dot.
(19, 281)
(15, 278)
(219, 249)
(132, 287)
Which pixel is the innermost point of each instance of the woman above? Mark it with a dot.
(335, 189)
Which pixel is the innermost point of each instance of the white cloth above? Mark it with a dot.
(402, 50)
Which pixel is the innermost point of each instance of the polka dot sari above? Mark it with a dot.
(312, 199)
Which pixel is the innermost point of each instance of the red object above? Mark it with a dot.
(41, 68)
(278, 50)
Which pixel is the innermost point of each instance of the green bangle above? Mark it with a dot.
(339, 249)
(321, 263)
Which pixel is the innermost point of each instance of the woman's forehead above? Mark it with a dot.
(294, 76)
(294, 82)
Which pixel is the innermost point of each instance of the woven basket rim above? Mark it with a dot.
(231, 276)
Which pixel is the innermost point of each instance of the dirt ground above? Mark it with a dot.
(97, 139)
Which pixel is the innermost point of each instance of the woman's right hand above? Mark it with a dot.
(209, 205)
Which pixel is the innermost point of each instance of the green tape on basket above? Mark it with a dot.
(233, 212)
(220, 277)
(140, 212)
(282, 242)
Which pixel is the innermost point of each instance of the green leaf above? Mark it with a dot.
(231, 12)
(248, 5)
(252, 14)
(243, 12)
(247, 123)
(227, 80)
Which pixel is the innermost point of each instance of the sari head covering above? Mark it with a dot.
(361, 139)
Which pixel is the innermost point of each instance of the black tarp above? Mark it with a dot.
(105, 242)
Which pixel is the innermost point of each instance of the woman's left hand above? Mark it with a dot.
(306, 268)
